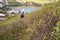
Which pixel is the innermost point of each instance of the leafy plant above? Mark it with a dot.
(56, 32)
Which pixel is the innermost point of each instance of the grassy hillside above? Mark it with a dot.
(13, 3)
(11, 0)
(36, 25)
(38, 1)
(16, 3)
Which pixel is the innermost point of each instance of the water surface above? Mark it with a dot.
(26, 9)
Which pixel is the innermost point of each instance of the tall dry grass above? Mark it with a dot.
(36, 25)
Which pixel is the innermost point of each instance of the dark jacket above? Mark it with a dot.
(22, 15)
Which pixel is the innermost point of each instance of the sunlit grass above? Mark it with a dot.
(10, 20)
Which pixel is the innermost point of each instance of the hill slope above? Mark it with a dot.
(36, 25)
(37, 1)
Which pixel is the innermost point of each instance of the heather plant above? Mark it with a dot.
(36, 25)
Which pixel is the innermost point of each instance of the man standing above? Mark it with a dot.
(22, 13)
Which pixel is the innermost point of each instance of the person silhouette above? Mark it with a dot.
(22, 15)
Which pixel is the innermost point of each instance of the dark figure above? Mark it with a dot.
(22, 15)
(13, 13)
(19, 12)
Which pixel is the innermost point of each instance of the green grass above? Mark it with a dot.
(13, 4)
(35, 25)
(10, 20)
